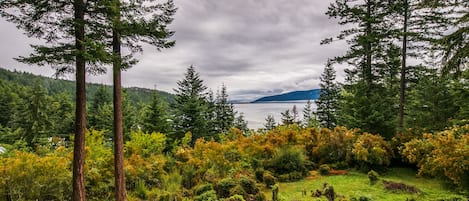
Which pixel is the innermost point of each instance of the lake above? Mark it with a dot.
(256, 113)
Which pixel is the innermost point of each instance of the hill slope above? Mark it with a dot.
(55, 86)
(291, 96)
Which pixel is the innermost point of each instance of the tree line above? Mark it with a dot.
(385, 92)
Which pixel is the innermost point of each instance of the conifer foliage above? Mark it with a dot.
(328, 101)
(191, 106)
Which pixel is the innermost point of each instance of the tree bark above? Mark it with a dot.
(78, 193)
(368, 73)
(118, 129)
(403, 68)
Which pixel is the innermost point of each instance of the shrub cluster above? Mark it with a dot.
(231, 169)
(444, 154)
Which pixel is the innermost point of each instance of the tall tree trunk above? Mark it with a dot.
(80, 113)
(367, 71)
(118, 130)
(403, 69)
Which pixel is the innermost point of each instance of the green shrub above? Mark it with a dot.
(189, 178)
(259, 197)
(210, 195)
(295, 176)
(324, 169)
(259, 173)
(269, 179)
(235, 198)
(199, 190)
(340, 165)
(224, 186)
(248, 185)
(287, 160)
(141, 190)
(373, 177)
(238, 190)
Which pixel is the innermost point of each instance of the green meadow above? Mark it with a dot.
(356, 185)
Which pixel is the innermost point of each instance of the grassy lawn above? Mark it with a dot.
(356, 184)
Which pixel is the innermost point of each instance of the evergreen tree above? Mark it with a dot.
(32, 115)
(415, 26)
(8, 99)
(155, 116)
(460, 91)
(287, 117)
(241, 124)
(100, 98)
(369, 36)
(327, 104)
(309, 118)
(61, 115)
(105, 120)
(270, 122)
(211, 116)
(191, 106)
(128, 28)
(431, 103)
(369, 109)
(295, 115)
(224, 112)
(454, 44)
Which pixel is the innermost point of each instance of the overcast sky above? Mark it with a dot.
(254, 47)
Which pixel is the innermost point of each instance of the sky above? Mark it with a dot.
(254, 47)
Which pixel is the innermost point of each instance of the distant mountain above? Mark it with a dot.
(55, 86)
(291, 96)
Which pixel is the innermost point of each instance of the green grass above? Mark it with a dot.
(356, 184)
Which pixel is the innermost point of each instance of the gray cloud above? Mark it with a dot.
(254, 47)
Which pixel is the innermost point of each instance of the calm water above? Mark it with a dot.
(255, 113)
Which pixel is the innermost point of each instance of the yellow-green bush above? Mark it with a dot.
(372, 151)
(444, 154)
(28, 176)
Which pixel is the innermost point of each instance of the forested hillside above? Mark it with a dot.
(56, 86)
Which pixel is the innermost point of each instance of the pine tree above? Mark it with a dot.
(309, 118)
(328, 101)
(128, 28)
(241, 124)
(224, 112)
(31, 115)
(100, 98)
(191, 106)
(366, 37)
(287, 117)
(415, 26)
(270, 122)
(371, 37)
(155, 116)
(431, 103)
(61, 114)
(460, 91)
(455, 43)
(7, 102)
